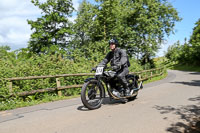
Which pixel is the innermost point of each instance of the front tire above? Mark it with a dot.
(92, 95)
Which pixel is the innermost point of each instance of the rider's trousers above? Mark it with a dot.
(121, 75)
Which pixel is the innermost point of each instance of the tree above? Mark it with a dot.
(174, 52)
(53, 29)
(139, 25)
(5, 54)
(189, 52)
(84, 26)
(150, 21)
(195, 44)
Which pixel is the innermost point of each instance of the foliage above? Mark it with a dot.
(23, 65)
(189, 52)
(195, 43)
(174, 51)
(53, 28)
(58, 46)
(185, 68)
(4, 54)
(164, 75)
(140, 25)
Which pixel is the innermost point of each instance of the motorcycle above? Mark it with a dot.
(93, 90)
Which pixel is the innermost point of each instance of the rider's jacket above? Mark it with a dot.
(118, 57)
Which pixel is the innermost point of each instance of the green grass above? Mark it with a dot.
(15, 102)
(164, 75)
(186, 68)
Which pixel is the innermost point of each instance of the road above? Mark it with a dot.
(163, 106)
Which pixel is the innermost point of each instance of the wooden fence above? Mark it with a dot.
(143, 75)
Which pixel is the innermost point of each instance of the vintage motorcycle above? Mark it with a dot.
(93, 91)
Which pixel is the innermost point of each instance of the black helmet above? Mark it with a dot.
(113, 41)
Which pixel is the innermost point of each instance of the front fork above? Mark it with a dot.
(99, 84)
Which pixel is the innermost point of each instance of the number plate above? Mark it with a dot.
(99, 71)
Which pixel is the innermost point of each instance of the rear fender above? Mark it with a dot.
(136, 77)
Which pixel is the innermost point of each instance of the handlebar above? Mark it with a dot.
(105, 67)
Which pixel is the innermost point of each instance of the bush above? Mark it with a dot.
(38, 65)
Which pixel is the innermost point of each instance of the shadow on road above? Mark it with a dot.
(82, 108)
(195, 73)
(193, 83)
(106, 101)
(189, 113)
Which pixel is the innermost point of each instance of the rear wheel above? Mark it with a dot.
(91, 95)
(133, 84)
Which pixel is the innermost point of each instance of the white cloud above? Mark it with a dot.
(2, 39)
(8, 4)
(17, 8)
(14, 29)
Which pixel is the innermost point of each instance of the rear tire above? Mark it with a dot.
(133, 84)
(92, 95)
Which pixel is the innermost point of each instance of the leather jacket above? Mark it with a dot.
(118, 57)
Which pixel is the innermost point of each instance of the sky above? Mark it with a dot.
(15, 31)
(189, 11)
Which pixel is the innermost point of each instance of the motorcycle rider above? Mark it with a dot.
(119, 63)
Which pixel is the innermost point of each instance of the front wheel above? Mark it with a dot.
(91, 95)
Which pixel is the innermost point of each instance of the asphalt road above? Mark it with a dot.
(163, 106)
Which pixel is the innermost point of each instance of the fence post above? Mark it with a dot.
(10, 86)
(140, 76)
(160, 71)
(58, 85)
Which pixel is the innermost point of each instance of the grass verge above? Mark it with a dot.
(164, 75)
(185, 68)
(18, 102)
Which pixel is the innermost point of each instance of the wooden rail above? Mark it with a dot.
(143, 75)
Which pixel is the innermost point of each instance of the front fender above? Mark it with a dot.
(101, 86)
(88, 79)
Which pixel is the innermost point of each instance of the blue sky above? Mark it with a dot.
(189, 11)
(15, 32)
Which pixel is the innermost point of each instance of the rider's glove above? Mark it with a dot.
(114, 68)
(94, 69)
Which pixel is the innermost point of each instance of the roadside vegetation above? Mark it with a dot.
(15, 65)
(59, 46)
(187, 55)
(185, 67)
